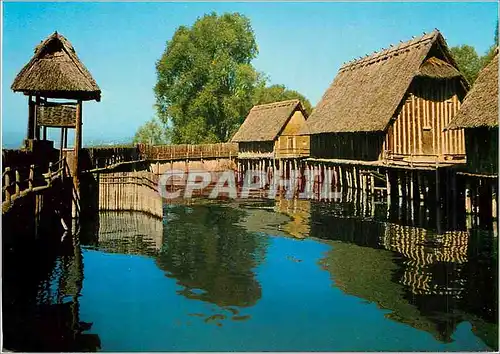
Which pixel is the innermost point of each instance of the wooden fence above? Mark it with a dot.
(105, 157)
(132, 191)
(185, 151)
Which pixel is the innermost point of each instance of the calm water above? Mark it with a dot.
(257, 276)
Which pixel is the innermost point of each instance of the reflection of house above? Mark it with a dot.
(130, 232)
(367, 273)
(273, 130)
(300, 212)
(423, 249)
(479, 117)
(392, 106)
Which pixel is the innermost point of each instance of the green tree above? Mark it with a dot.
(268, 94)
(152, 132)
(468, 61)
(205, 82)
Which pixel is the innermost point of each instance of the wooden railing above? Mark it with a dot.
(101, 157)
(423, 159)
(108, 157)
(185, 151)
(17, 185)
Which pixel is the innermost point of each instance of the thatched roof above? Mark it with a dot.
(367, 92)
(436, 68)
(266, 121)
(480, 107)
(55, 71)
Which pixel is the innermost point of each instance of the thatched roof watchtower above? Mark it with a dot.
(55, 72)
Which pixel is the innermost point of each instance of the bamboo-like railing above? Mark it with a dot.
(15, 187)
(95, 158)
(185, 151)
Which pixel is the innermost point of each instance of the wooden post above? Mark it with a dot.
(7, 185)
(44, 133)
(31, 177)
(61, 144)
(18, 181)
(78, 145)
(30, 133)
(37, 128)
(49, 182)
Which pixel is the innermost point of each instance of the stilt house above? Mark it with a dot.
(479, 117)
(274, 130)
(393, 106)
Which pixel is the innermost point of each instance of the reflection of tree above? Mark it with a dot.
(212, 256)
(47, 317)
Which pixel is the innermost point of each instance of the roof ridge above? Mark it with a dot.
(276, 104)
(387, 52)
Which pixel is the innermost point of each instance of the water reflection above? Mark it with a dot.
(211, 255)
(426, 278)
(41, 312)
(126, 233)
(226, 266)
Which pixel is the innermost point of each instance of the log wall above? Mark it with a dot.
(132, 191)
(418, 128)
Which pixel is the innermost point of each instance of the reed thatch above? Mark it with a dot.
(55, 71)
(436, 68)
(266, 121)
(480, 107)
(367, 92)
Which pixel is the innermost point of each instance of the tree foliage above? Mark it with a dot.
(152, 132)
(206, 83)
(468, 61)
(205, 79)
(268, 94)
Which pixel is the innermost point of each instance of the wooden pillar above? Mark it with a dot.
(65, 138)
(485, 203)
(78, 145)
(37, 129)
(30, 132)
(61, 144)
